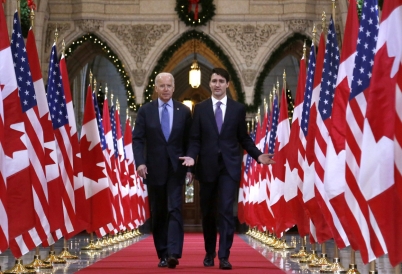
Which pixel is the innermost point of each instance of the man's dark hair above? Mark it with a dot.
(222, 72)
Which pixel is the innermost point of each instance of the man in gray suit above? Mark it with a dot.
(219, 126)
(160, 136)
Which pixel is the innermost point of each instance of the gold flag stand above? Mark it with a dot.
(312, 258)
(302, 252)
(53, 259)
(37, 263)
(336, 266)
(19, 268)
(91, 246)
(352, 265)
(372, 268)
(65, 254)
(323, 260)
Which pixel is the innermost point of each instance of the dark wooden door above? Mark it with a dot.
(191, 208)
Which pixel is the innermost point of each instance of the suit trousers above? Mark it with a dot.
(216, 200)
(167, 220)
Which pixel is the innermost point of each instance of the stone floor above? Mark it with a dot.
(280, 257)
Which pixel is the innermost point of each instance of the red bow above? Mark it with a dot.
(191, 3)
(31, 5)
(3, 1)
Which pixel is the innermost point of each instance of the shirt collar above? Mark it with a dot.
(170, 102)
(223, 100)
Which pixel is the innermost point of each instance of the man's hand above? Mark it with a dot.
(142, 171)
(265, 159)
(187, 161)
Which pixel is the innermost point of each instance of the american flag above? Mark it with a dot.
(271, 143)
(55, 95)
(274, 125)
(355, 111)
(102, 231)
(334, 177)
(318, 227)
(328, 83)
(54, 181)
(124, 185)
(79, 193)
(36, 154)
(119, 208)
(305, 118)
(59, 116)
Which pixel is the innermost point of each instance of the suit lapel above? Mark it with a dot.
(226, 119)
(176, 117)
(155, 113)
(211, 114)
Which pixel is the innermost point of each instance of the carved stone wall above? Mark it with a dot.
(139, 31)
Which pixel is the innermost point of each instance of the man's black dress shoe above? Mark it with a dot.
(209, 259)
(172, 262)
(163, 262)
(224, 264)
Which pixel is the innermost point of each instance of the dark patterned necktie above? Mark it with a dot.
(218, 115)
(165, 121)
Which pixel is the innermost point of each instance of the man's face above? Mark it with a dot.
(218, 86)
(164, 87)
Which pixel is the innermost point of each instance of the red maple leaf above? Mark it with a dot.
(91, 159)
(13, 117)
(13, 141)
(48, 158)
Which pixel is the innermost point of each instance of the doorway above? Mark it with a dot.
(191, 208)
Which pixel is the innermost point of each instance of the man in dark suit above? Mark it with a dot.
(219, 126)
(160, 136)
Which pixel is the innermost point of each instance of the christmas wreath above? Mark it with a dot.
(195, 12)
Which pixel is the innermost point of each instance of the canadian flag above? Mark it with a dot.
(283, 217)
(99, 212)
(16, 195)
(380, 169)
(294, 171)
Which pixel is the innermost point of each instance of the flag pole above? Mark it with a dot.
(37, 263)
(352, 265)
(65, 254)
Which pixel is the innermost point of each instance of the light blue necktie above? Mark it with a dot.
(165, 121)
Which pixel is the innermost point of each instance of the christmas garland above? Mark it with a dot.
(272, 62)
(203, 38)
(198, 17)
(109, 54)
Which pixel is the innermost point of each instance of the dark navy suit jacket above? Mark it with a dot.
(151, 148)
(207, 143)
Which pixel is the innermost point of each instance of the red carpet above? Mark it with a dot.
(141, 258)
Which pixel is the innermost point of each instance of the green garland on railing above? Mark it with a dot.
(204, 38)
(205, 13)
(25, 18)
(113, 58)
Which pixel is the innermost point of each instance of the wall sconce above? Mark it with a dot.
(195, 72)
